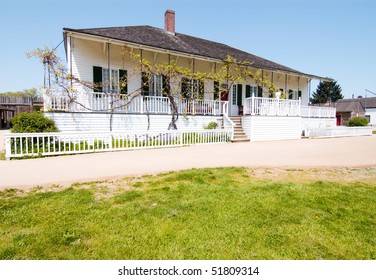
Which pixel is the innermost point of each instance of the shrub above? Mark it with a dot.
(211, 125)
(357, 121)
(32, 122)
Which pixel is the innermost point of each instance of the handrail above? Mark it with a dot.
(226, 118)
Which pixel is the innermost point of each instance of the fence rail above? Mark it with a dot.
(50, 144)
(15, 100)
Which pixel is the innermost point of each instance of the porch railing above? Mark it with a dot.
(103, 102)
(271, 107)
(49, 144)
(318, 112)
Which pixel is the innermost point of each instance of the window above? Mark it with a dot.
(250, 91)
(234, 93)
(110, 84)
(192, 88)
(154, 85)
(116, 83)
(295, 94)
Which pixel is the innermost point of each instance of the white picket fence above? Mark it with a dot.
(60, 143)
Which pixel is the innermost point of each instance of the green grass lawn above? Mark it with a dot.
(222, 213)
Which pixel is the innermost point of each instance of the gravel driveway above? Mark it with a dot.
(305, 153)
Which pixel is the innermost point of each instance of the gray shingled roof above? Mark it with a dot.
(349, 105)
(159, 38)
(369, 102)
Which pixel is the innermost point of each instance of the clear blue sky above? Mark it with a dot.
(330, 38)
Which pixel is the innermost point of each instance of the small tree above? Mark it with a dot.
(327, 92)
(358, 121)
(32, 122)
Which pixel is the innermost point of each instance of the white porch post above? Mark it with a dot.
(7, 147)
(299, 106)
(253, 103)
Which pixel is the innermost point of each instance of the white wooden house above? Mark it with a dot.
(96, 55)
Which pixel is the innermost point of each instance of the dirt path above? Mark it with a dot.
(307, 153)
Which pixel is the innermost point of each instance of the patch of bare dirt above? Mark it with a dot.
(306, 175)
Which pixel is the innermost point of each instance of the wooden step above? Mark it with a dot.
(240, 140)
(239, 135)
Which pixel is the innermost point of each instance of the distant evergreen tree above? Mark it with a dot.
(327, 92)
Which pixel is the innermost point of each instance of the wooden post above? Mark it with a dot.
(7, 148)
(253, 103)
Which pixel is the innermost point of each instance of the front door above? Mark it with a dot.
(236, 100)
(338, 118)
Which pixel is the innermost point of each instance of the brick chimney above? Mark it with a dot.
(169, 21)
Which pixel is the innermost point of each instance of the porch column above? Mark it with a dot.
(69, 57)
(262, 86)
(109, 66)
(286, 85)
(253, 103)
(309, 91)
(110, 78)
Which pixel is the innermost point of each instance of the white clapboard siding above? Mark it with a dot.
(87, 54)
(125, 122)
(371, 112)
(267, 128)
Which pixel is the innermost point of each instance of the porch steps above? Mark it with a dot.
(239, 135)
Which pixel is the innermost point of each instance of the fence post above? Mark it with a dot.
(7, 147)
(111, 140)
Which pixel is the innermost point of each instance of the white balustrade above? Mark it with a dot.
(282, 107)
(318, 112)
(104, 102)
(271, 107)
(48, 144)
(199, 107)
(156, 104)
